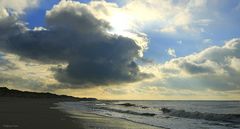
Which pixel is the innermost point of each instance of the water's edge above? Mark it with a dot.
(60, 107)
(160, 114)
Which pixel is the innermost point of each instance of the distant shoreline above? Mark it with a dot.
(5, 92)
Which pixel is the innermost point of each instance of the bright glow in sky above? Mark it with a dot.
(120, 23)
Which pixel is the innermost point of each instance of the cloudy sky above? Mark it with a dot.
(122, 49)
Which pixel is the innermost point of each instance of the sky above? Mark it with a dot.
(122, 49)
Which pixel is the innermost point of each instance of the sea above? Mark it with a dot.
(165, 114)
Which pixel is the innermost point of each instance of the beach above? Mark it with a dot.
(25, 113)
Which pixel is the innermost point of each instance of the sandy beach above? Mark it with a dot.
(24, 113)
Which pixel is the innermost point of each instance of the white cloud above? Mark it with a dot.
(136, 15)
(171, 52)
(169, 15)
(234, 63)
(166, 13)
(216, 58)
(18, 6)
(215, 68)
(39, 28)
(197, 3)
(3, 13)
(169, 29)
(182, 18)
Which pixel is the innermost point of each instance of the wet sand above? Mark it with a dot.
(93, 121)
(23, 113)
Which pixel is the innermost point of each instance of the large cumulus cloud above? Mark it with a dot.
(74, 36)
(215, 68)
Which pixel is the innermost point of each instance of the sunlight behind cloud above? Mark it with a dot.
(120, 23)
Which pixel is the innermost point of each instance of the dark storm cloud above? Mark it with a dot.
(9, 26)
(76, 37)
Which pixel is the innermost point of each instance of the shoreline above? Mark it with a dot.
(96, 121)
(28, 113)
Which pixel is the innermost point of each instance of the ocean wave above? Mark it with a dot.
(132, 105)
(233, 118)
(128, 111)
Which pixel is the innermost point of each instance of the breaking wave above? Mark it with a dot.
(234, 118)
(128, 112)
(132, 105)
